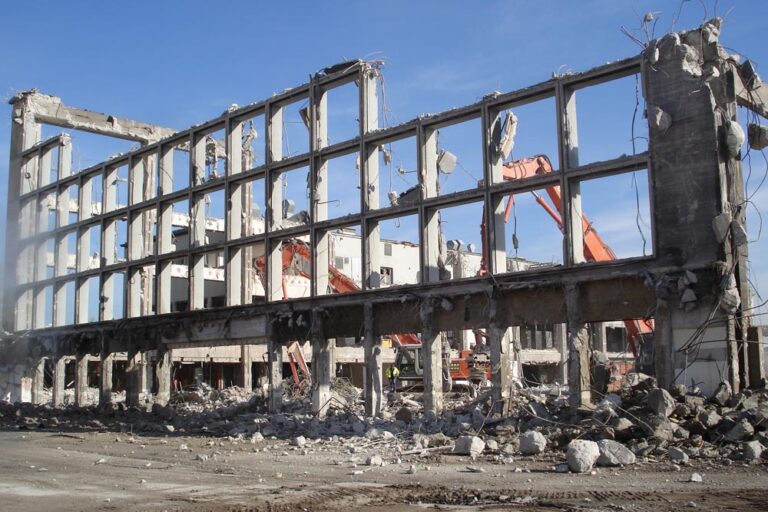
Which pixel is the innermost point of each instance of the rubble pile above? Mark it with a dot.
(642, 423)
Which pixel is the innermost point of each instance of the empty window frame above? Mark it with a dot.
(88, 299)
(116, 187)
(174, 226)
(610, 120)
(91, 196)
(248, 135)
(208, 285)
(115, 244)
(616, 218)
(210, 155)
(524, 140)
(290, 268)
(207, 217)
(174, 166)
(68, 205)
(291, 136)
(393, 243)
(247, 274)
(142, 291)
(44, 307)
(66, 254)
(453, 157)
(454, 250)
(393, 175)
(339, 260)
(529, 230)
(144, 177)
(173, 285)
(89, 252)
(64, 308)
(342, 105)
(88, 149)
(112, 296)
(290, 198)
(143, 234)
(47, 213)
(337, 189)
(247, 209)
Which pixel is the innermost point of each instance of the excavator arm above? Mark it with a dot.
(595, 249)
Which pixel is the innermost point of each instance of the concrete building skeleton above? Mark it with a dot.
(694, 284)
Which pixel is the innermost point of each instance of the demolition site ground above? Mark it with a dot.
(60, 471)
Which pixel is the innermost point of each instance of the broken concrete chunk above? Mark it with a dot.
(532, 443)
(739, 233)
(695, 478)
(720, 225)
(723, 394)
(677, 455)
(661, 402)
(469, 445)
(757, 136)
(710, 418)
(582, 455)
(734, 138)
(299, 441)
(741, 431)
(374, 460)
(659, 119)
(688, 296)
(613, 453)
(753, 450)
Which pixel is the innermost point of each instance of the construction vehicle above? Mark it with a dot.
(639, 331)
(470, 367)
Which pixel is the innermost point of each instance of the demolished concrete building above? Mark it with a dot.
(124, 261)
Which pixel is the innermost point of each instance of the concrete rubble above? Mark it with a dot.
(640, 424)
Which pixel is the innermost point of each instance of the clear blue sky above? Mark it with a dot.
(180, 63)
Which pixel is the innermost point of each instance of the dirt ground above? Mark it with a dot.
(102, 471)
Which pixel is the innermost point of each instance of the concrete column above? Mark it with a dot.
(38, 381)
(59, 380)
(500, 361)
(432, 353)
(246, 367)
(663, 345)
(81, 380)
(560, 341)
(323, 364)
(275, 370)
(756, 350)
(106, 363)
(164, 373)
(578, 347)
(134, 378)
(600, 342)
(372, 357)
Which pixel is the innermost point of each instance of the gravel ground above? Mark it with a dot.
(89, 471)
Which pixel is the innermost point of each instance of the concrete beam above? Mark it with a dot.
(51, 110)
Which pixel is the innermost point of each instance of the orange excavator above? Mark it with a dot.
(465, 368)
(595, 249)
